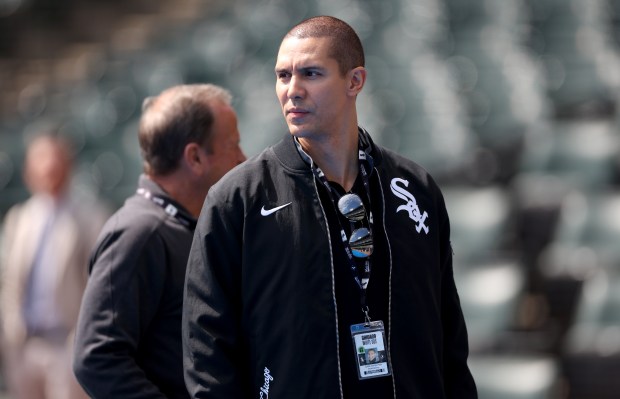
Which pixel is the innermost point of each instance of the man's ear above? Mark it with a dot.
(357, 79)
(194, 157)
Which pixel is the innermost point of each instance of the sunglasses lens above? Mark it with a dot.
(361, 243)
(351, 207)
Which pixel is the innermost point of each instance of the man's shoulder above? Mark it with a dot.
(133, 227)
(137, 217)
(25, 206)
(12, 219)
(249, 173)
(14, 211)
(25, 211)
(395, 163)
(395, 159)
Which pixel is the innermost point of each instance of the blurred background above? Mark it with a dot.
(512, 105)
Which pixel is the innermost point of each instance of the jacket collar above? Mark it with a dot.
(287, 153)
(148, 184)
(155, 190)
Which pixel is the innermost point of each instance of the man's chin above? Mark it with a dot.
(297, 131)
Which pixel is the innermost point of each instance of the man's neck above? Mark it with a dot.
(336, 156)
(182, 193)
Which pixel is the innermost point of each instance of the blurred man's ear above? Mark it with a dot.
(194, 157)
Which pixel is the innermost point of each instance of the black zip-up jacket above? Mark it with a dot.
(128, 337)
(260, 314)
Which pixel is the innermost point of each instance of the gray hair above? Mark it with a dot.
(178, 116)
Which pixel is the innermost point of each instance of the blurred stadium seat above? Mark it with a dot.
(586, 237)
(490, 293)
(516, 377)
(591, 355)
(479, 222)
(576, 46)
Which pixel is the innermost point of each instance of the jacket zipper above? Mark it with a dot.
(331, 257)
(389, 248)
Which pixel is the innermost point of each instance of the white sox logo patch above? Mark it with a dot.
(411, 206)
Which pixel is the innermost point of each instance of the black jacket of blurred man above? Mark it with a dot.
(128, 339)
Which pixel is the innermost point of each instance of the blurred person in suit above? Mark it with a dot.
(46, 244)
(128, 339)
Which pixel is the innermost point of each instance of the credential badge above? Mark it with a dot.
(411, 206)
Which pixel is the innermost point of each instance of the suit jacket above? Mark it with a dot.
(72, 237)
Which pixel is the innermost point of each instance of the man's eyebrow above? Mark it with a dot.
(307, 67)
(302, 69)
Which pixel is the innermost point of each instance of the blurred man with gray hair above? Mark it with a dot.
(128, 339)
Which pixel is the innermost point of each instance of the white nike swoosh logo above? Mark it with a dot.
(267, 212)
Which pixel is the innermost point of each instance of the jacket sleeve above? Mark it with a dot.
(212, 343)
(458, 381)
(12, 325)
(121, 297)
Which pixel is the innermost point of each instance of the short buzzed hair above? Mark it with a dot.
(178, 116)
(346, 47)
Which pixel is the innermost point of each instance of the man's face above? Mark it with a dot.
(311, 90)
(372, 355)
(225, 151)
(48, 167)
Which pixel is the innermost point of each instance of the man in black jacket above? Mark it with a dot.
(321, 249)
(128, 338)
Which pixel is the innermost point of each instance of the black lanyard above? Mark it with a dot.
(364, 161)
(171, 209)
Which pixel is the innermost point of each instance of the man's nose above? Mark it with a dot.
(295, 88)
